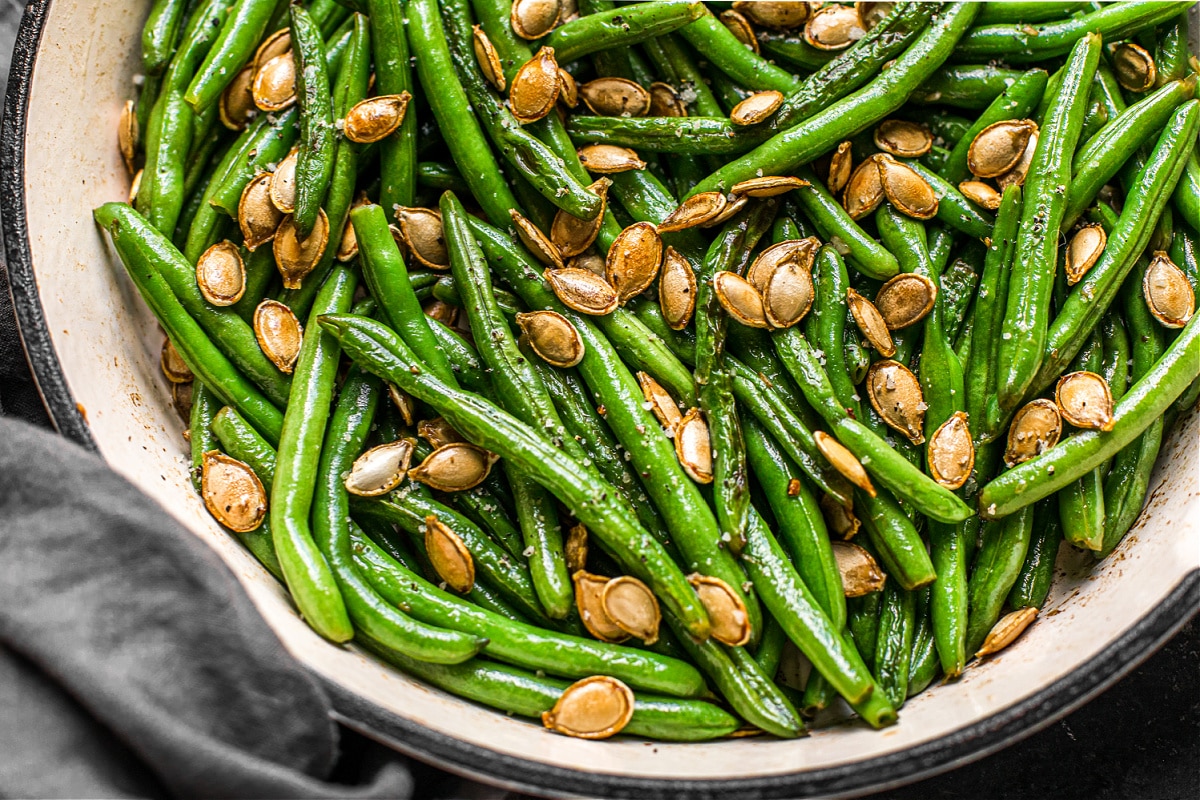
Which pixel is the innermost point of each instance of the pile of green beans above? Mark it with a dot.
(742, 466)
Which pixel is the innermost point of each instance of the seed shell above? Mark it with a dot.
(661, 403)
(998, 147)
(127, 135)
(632, 607)
(535, 87)
(841, 164)
(734, 204)
(589, 600)
(768, 186)
(275, 44)
(533, 19)
(403, 402)
(633, 260)
(1083, 251)
(903, 139)
(1016, 175)
(609, 159)
(952, 452)
(740, 299)
(380, 469)
(454, 467)
(833, 27)
(593, 708)
(1006, 631)
(844, 461)
(896, 396)
(297, 257)
(906, 190)
(1035, 428)
(695, 211)
(438, 432)
(279, 334)
(726, 609)
(756, 108)
(535, 241)
(582, 290)
(173, 365)
(571, 235)
(348, 245)
(771, 14)
(799, 251)
(1168, 292)
(789, 295)
(220, 274)
(741, 29)
(871, 323)
(283, 183)
(841, 520)
(665, 102)
(258, 217)
(615, 97)
(905, 300)
(1134, 67)
(568, 89)
(552, 337)
(983, 194)
(693, 446)
(488, 58)
(1084, 400)
(864, 191)
(676, 290)
(232, 492)
(448, 556)
(237, 101)
(860, 571)
(274, 86)
(575, 550)
(181, 399)
(375, 118)
(421, 232)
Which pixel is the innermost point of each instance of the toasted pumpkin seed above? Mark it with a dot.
(442, 312)
(591, 261)
(983, 194)
(906, 190)
(777, 14)
(860, 571)
(665, 102)
(593, 708)
(608, 159)
(1006, 631)
(375, 118)
(237, 101)
(768, 186)
(1168, 293)
(726, 609)
(582, 290)
(998, 147)
(633, 260)
(734, 203)
(297, 257)
(833, 27)
(693, 447)
(864, 191)
(740, 299)
(676, 290)
(348, 245)
(844, 461)
(903, 139)
(448, 556)
(221, 275)
(756, 108)
(279, 334)
(380, 469)
(173, 365)
(403, 402)
(127, 135)
(438, 432)
(421, 232)
(632, 607)
(661, 403)
(571, 235)
(232, 492)
(535, 87)
(533, 19)
(258, 217)
(275, 44)
(1084, 400)
(568, 89)
(283, 183)
(589, 600)
(575, 550)
(841, 164)
(1035, 428)
(1016, 175)
(274, 86)
(871, 323)
(800, 251)
(454, 467)
(952, 452)
(535, 241)
(181, 399)
(741, 29)
(696, 210)
(1134, 67)
(1084, 251)
(896, 396)
(615, 97)
(905, 300)
(841, 520)
(135, 185)
(488, 58)
(872, 14)
(552, 337)
(789, 294)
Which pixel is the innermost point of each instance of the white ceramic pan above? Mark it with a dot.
(94, 348)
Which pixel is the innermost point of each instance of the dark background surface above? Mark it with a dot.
(1141, 739)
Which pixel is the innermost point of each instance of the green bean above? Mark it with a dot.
(463, 358)
(947, 126)
(862, 617)
(790, 48)
(1025, 11)
(833, 223)
(160, 33)
(1187, 190)
(1037, 573)
(314, 160)
(686, 72)
(438, 175)
(620, 27)
(955, 210)
(1081, 503)
(261, 146)
(770, 648)
(710, 37)
(827, 325)
(1171, 52)
(1016, 102)
(948, 548)
(485, 510)
(200, 436)
(648, 352)
(905, 236)
(997, 565)
(233, 48)
(1116, 354)
(161, 196)
(1095, 118)
(393, 75)
(959, 282)
(923, 661)
(895, 539)
(972, 86)
(1026, 318)
(1185, 253)
(893, 646)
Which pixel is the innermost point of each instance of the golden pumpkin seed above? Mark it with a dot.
(768, 186)
(488, 58)
(696, 210)
(375, 118)
(952, 452)
(661, 404)
(983, 194)
(448, 556)
(257, 216)
(283, 183)
(454, 467)
(841, 520)
(535, 87)
(906, 190)
(871, 323)
(1016, 175)
(575, 551)
(799, 251)
(380, 469)
(568, 89)
(173, 365)
(274, 86)
(181, 400)
(1134, 67)
(779, 15)
(421, 232)
(403, 403)
(552, 337)
(998, 147)
(833, 27)
(582, 290)
(571, 235)
(633, 260)
(740, 299)
(864, 191)
(593, 708)
(608, 159)
(232, 492)
(844, 461)
(237, 101)
(872, 14)
(535, 241)
(221, 275)
(348, 246)
(275, 44)
(591, 261)
(615, 97)
(734, 203)
(442, 312)
(741, 29)
(1168, 293)
(632, 607)
(896, 396)
(1006, 631)
(135, 185)
(841, 165)
(905, 300)
(1035, 428)
(756, 108)
(589, 600)
(279, 334)
(676, 290)
(438, 432)
(789, 294)
(903, 139)
(1084, 251)
(127, 135)
(1084, 400)
(665, 102)
(860, 571)
(297, 257)
(693, 447)
(726, 609)
(533, 19)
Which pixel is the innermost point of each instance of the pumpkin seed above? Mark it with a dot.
(1168, 293)
(632, 607)
(1016, 175)
(789, 294)
(1035, 428)
(676, 290)
(696, 210)
(127, 135)
(533, 19)
(661, 403)
(693, 447)
(864, 191)
(952, 452)
(903, 139)
(375, 118)
(589, 600)
(421, 232)
(297, 257)
(768, 186)
(740, 299)
(844, 461)
(552, 337)
(800, 251)
(535, 87)
(181, 399)
(274, 86)
(232, 492)
(726, 609)
(615, 97)
(734, 203)
(403, 403)
(833, 27)
(895, 394)
(665, 102)
(438, 432)
(905, 300)
(871, 323)
(348, 246)
(1006, 631)
(237, 101)
(173, 365)
(568, 89)
(275, 44)
(1084, 400)
(608, 159)
(593, 708)
(756, 108)
(279, 334)
(741, 29)
(575, 550)
(221, 275)
(906, 190)
(1134, 67)
(380, 469)
(448, 556)
(872, 14)
(841, 164)
(535, 241)
(454, 467)
(772, 14)
(572, 235)
(841, 520)
(998, 147)
(257, 216)
(860, 571)
(591, 261)
(582, 290)
(1084, 251)
(283, 183)
(135, 185)
(981, 193)
(488, 58)
(442, 312)
(633, 260)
